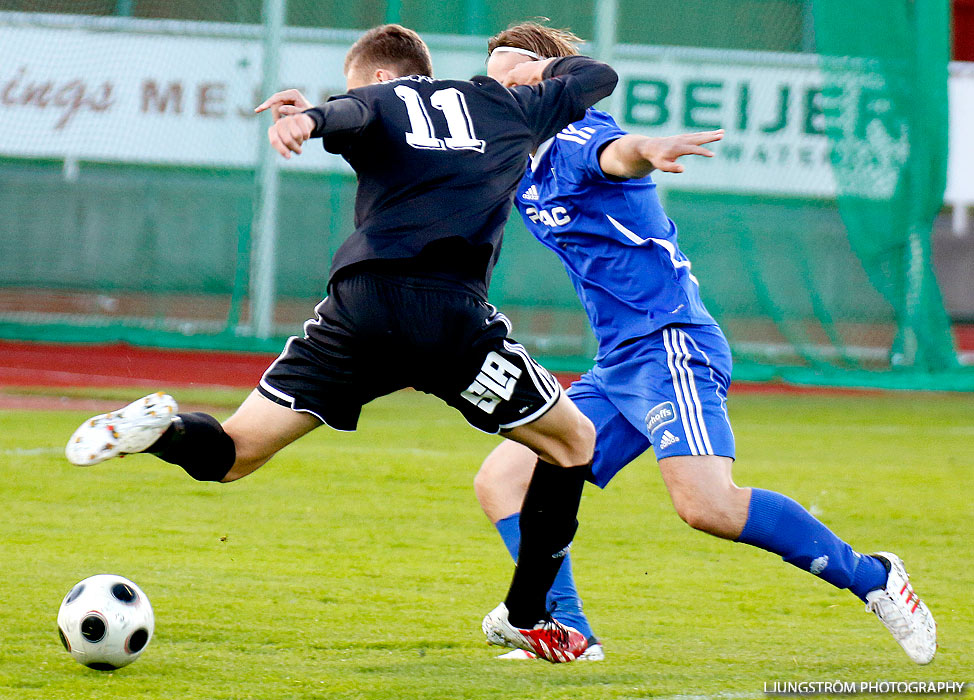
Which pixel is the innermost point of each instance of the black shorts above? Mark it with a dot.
(376, 333)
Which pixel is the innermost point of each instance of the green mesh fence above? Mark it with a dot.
(133, 203)
(891, 163)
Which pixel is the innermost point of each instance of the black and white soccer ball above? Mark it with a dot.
(105, 622)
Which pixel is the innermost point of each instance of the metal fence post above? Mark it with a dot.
(264, 228)
(606, 21)
(606, 27)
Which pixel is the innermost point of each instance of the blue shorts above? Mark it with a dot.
(667, 391)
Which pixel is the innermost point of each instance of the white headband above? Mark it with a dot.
(514, 49)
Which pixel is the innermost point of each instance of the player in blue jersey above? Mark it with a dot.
(663, 366)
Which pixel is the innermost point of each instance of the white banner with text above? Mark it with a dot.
(83, 94)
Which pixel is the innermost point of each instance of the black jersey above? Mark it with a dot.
(438, 161)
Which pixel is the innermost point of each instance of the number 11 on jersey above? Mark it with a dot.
(452, 103)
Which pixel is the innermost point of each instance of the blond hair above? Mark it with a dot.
(538, 38)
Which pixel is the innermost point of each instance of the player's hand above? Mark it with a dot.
(527, 73)
(635, 156)
(662, 153)
(288, 133)
(284, 103)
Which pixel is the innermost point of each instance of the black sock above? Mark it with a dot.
(548, 524)
(197, 443)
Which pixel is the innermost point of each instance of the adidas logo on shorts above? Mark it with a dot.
(667, 439)
(531, 194)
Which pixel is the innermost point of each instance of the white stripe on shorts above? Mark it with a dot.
(263, 378)
(721, 396)
(685, 387)
(678, 390)
(285, 397)
(696, 397)
(543, 381)
(497, 317)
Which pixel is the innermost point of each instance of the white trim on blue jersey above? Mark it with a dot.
(539, 153)
(665, 244)
(576, 135)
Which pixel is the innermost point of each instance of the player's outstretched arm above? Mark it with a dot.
(287, 134)
(635, 156)
(296, 120)
(285, 103)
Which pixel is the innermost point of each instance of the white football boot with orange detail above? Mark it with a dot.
(904, 614)
(126, 431)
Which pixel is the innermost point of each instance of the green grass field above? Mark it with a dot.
(359, 565)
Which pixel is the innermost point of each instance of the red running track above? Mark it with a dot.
(49, 364)
(120, 365)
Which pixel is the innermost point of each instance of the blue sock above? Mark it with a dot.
(563, 601)
(780, 525)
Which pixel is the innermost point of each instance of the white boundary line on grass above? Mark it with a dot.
(30, 451)
(715, 696)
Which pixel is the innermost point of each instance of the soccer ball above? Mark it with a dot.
(105, 622)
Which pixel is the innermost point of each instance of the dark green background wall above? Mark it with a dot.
(777, 25)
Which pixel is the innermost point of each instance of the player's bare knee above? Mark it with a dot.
(502, 475)
(574, 446)
(587, 434)
(697, 515)
(714, 513)
(485, 482)
(581, 447)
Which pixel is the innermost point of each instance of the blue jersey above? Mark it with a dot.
(612, 236)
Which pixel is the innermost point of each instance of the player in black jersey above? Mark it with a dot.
(437, 164)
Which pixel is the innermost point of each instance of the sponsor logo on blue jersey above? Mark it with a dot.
(557, 216)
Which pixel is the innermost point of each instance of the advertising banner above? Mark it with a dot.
(187, 100)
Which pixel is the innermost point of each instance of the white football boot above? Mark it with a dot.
(126, 431)
(549, 639)
(905, 616)
(594, 652)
